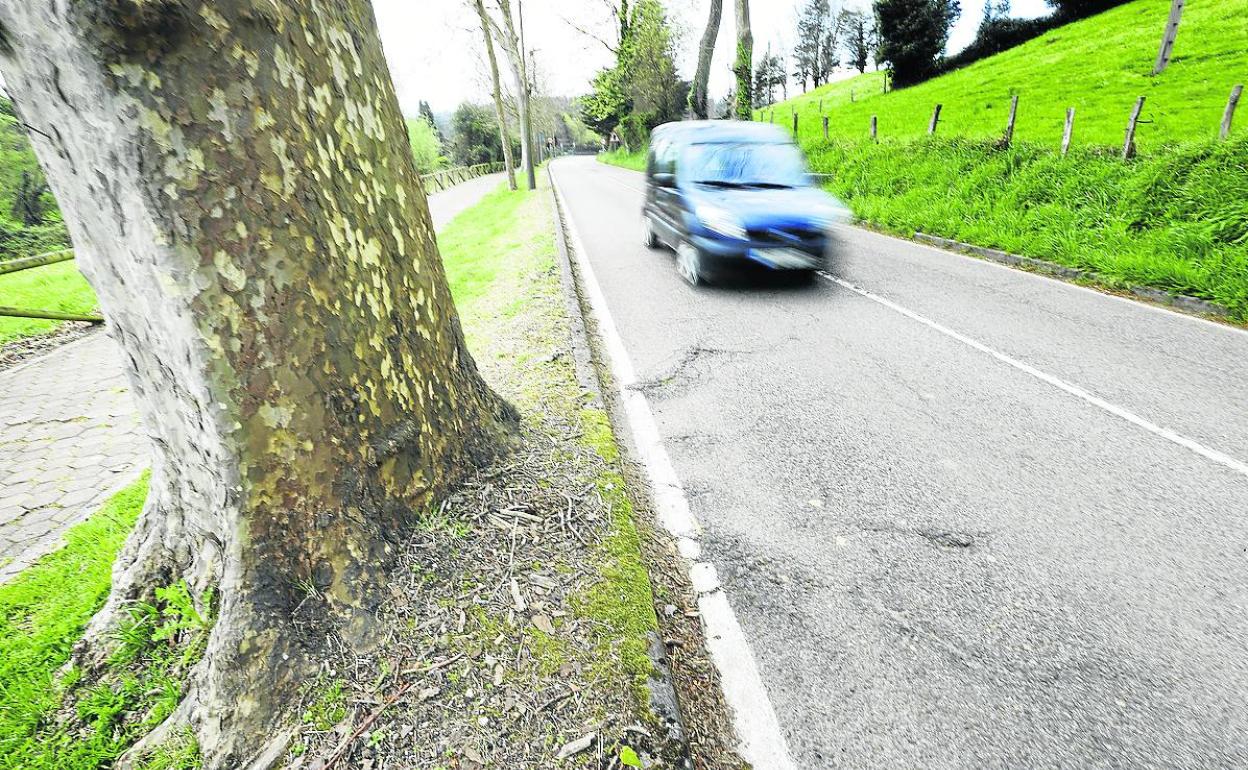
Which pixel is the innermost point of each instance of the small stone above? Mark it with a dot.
(669, 610)
(577, 746)
(543, 624)
(483, 721)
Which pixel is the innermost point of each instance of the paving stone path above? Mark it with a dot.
(69, 433)
(69, 438)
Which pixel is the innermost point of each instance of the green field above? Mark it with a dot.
(1099, 66)
(1175, 217)
(57, 287)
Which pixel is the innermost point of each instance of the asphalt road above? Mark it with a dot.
(979, 518)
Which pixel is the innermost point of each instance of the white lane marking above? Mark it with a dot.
(1051, 280)
(1074, 390)
(758, 730)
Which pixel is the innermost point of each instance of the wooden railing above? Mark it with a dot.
(26, 263)
(441, 180)
(435, 182)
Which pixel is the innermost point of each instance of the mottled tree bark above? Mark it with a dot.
(237, 182)
(698, 98)
(743, 65)
(499, 113)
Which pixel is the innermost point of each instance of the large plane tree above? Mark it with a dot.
(238, 185)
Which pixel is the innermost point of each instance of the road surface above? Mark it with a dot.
(967, 516)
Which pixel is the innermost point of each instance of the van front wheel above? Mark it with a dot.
(648, 237)
(689, 264)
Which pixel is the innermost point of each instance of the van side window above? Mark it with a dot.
(665, 158)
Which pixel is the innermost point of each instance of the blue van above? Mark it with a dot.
(726, 194)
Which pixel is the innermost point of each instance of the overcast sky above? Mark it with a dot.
(435, 49)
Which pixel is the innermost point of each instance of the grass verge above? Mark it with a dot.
(500, 261)
(1176, 221)
(634, 160)
(43, 612)
(57, 287)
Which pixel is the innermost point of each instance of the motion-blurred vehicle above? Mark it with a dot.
(727, 194)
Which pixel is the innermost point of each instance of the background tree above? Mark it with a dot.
(275, 287)
(912, 36)
(998, 32)
(500, 114)
(426, 112)
(768, 76)
(818, 40)
(859, 38)
(642, 89)
(1078, 9)
(698, 99)
(474, 136)
(743, 63)
(517, 57)
(29, 203)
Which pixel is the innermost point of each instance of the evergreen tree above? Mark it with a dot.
(913, 35)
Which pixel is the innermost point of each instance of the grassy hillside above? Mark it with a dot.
(1099, 66)
(1175, 217)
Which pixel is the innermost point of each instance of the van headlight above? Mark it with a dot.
(719, 221)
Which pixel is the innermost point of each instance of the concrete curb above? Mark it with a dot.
(1180, 302)
(760, 739)
(55, 351)
(664, 701)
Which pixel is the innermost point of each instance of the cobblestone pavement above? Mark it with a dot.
(69, 433)
(68, 439)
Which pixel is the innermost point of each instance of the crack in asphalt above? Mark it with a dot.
(683, 371)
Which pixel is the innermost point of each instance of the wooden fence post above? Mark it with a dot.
(1009, 124)
(1070, 130)
(1128, 146)
(931, 127)
(795, 123)
(1167, 37)
(1229, 114)
(875, 134)
(825, 128)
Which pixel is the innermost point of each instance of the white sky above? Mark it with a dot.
(435, 50)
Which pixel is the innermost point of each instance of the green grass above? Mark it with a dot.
(57, 287)
(1175, 217)
(43, 612)
(1176, 220)
(634, 160)
(1099, 66)
(500, 263)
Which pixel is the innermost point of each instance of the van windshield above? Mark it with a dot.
(744, 164)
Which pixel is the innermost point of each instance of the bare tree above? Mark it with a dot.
(509, 162)
(698, 100)
(513, 45)
(234, 175)
(743, 64)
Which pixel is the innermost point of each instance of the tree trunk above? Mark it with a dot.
(513, 45)
(698, 97)
(744, 63)
(508, 161)
(236, 177)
